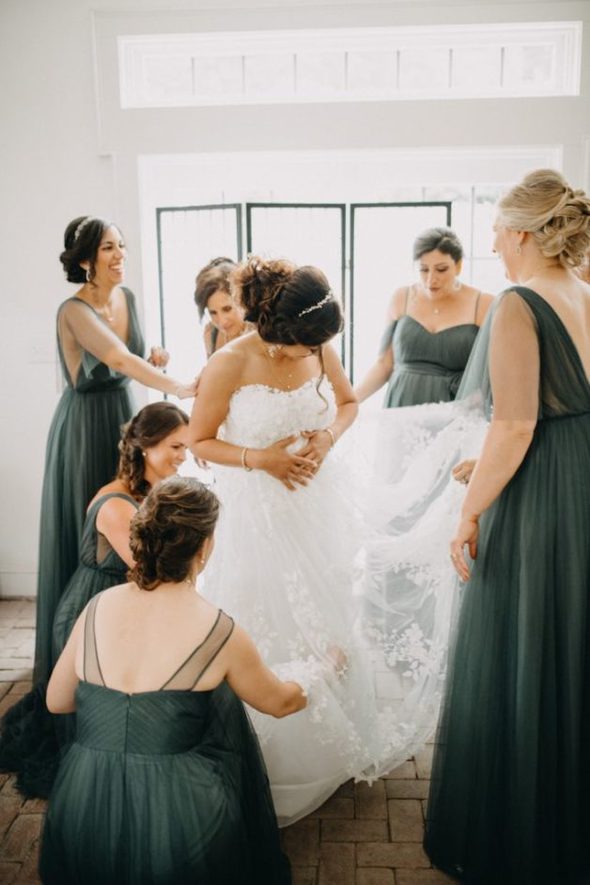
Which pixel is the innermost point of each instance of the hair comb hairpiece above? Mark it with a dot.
(81, 226)
(316, 306)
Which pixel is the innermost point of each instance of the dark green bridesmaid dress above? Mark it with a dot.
(428, 366)
(162, 787)
(31, 736)
(510, 792)
(100, 567)
(81, 453)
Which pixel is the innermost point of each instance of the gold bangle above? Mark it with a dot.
(332, 437)
(244, 465)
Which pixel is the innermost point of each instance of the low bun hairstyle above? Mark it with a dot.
(149, 427)
(212, 278)
(557, 216)
(443, 239)
(275, 292)
(82, 247)
(169, 529)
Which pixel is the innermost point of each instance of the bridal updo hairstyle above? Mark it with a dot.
(275, 292)
(169, 529)
(557, 216)
(212, 278)
(81, 240)
(443, 239)
(149, 427)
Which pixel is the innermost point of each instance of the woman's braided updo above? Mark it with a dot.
(169, 529)
(149, 427)
(557, 216)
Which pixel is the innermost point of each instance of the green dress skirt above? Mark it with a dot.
(510, 792)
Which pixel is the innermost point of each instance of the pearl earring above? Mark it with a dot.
(144, 454)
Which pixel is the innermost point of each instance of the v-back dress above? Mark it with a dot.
(161, 787)
(510, 790)
(428, 366)
(82, 451)
(31, 736)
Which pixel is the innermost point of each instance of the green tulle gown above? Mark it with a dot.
(428, 365)
(31, 736)
(81, 453)
(163, 787)
(510, 793)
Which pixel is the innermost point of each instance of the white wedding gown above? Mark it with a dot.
(311, 575)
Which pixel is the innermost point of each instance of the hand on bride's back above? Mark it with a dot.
(290, 468)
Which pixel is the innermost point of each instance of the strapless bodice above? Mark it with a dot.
(259, 415)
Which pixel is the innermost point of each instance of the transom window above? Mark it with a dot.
(346, 64)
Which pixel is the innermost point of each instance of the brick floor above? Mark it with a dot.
(361, 836)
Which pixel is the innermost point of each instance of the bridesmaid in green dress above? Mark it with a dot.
(100, 348)
(152, 448)
(164, 782)
(511, 777)
(431, 328)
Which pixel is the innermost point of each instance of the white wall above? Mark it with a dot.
(63, 153)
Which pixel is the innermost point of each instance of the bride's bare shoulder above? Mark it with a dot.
(232, 361)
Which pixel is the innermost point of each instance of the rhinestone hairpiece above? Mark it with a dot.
(315, 306)
(81, 226)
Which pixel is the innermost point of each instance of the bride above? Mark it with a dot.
(271, 409)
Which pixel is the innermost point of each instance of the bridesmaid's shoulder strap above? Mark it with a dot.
(189, 673)
(92, 671)
(407, 298)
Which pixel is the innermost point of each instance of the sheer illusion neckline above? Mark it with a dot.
(438, 331)
(563, 326)
(96, 314)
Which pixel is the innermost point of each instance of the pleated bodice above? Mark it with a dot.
(427, 365)
(153, 722)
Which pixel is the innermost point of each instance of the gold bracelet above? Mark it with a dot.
(244, 465)
(332, 437)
